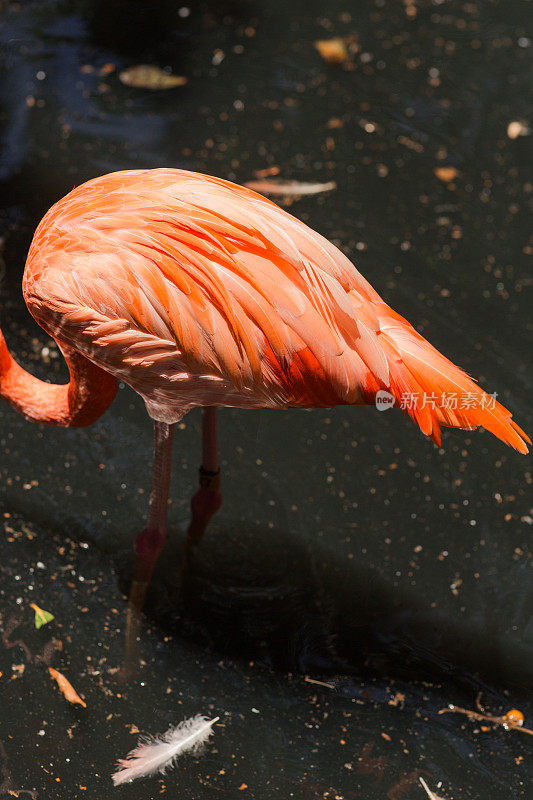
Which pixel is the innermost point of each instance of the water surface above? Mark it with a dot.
(349, 549)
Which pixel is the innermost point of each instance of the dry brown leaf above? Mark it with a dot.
(517, 128)
(446, 174)
(334, 51)
(147, 76)
(290, 187)
(66, 688)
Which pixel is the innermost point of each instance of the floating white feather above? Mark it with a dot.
(156, 753)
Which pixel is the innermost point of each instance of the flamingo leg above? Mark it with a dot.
(149, 543)
(208, 498)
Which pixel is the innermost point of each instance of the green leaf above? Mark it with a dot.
(42, 617)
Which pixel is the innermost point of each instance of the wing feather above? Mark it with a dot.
(228, 283)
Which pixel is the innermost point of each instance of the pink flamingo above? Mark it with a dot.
(198, 292)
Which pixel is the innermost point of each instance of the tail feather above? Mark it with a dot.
(435, 392)
(404, 384)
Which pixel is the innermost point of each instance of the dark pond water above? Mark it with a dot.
(349, 549)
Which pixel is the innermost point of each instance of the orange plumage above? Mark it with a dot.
(196, 291)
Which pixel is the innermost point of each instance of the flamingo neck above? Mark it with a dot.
(78, 403)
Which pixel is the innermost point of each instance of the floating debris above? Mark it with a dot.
(398, 700)
(515, 717)
(307, 679)
(340, 50)
(146, 76)
(42, 617)
(66, 688)
(290, 188)
(518, 128)
(106, 69)
(155, 753)
(267, 172)
(512, 720)
(334, 51)
(446, 174)
(430, 794)
(334, 123)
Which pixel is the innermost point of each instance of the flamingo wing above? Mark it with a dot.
(163, 273)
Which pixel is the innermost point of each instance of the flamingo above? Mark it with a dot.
(199, 292)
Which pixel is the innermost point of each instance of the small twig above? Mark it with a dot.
(506, 721)
(291, 188)
(430, 794)
(319, 683)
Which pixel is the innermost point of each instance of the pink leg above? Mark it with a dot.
(149, 543)
(208, 498)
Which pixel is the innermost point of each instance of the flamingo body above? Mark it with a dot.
(198, 292)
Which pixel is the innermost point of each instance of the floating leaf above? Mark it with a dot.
(66, 688)
(290, 187)
(147, 76)
(42, 617)
(446, 174)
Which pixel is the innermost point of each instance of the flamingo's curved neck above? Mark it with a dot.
(80, 402)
